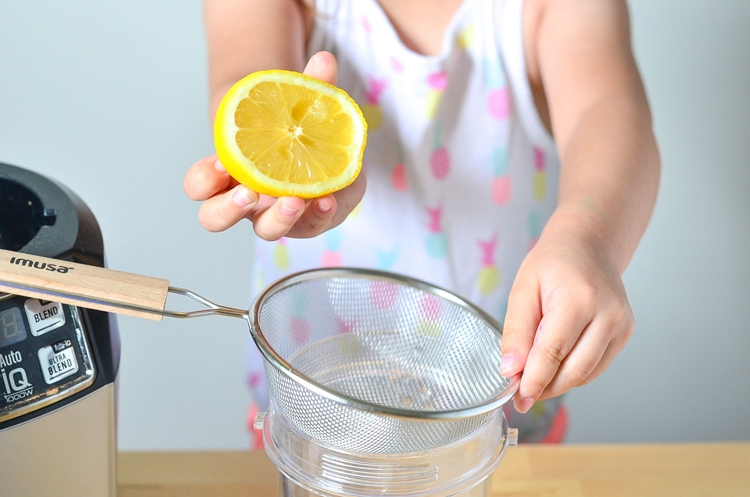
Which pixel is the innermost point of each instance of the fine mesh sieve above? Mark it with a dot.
(375, 362)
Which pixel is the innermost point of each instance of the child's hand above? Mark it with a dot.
(225, 202)
(568, 316)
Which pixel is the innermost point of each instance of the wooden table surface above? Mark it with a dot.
(684, 470)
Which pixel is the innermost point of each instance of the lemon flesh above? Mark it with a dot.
(282, 133)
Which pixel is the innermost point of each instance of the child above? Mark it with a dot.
(463, 184)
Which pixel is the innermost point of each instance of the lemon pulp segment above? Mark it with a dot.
(291, 135)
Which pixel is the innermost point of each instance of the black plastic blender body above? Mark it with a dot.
(58, 363)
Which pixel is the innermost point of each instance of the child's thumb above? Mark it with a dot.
(323, 66)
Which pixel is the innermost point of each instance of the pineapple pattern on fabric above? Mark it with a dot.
(440, 159)
(461, 174)
(332, 254)
(437, 243)
(501, 183)
(489, 276)
(371, 107)
(399, 176)
(540, 176)
(436, 83)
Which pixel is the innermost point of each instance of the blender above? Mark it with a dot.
(58, 362)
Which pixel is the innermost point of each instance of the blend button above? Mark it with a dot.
(44, 315)
(58, 361)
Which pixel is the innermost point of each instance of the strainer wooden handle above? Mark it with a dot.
(82, 285)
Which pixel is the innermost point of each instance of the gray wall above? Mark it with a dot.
(110, 99)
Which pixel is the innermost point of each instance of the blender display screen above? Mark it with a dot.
(12, 328)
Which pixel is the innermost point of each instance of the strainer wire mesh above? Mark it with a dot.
(373, 361)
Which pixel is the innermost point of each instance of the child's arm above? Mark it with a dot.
(568, 314)
(244, 36)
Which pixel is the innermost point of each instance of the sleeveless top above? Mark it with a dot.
(461, 173)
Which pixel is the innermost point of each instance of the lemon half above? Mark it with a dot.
(283, 133)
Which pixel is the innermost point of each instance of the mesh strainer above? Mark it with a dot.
(375, 362)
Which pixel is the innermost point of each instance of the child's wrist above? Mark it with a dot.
(585, 222)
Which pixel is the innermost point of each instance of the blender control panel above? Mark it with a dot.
(44, 354)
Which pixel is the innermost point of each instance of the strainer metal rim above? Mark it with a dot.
(297, 376)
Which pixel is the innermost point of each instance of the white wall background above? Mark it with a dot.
(110, 99)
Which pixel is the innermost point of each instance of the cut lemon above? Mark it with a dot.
(282, 133)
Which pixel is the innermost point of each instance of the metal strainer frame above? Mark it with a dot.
(436, 427)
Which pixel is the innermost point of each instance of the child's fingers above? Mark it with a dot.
(519, 328)
(276, 221)
(558, 364)
(206, 178)
(587, 360)
(323, 66)
(317, 218)
(594, 351)
(223, 211)
(557, 335)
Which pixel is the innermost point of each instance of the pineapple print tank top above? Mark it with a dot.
(461, 173)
